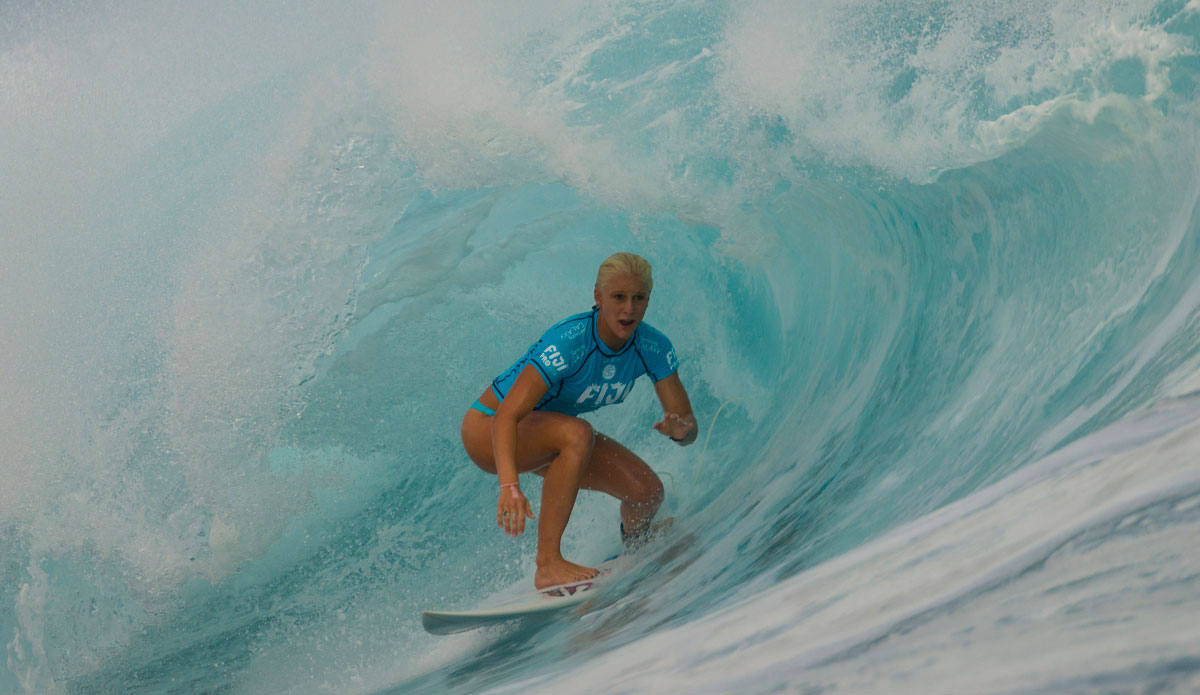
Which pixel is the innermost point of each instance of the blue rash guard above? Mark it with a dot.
(582, 373)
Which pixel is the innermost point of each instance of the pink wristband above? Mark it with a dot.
(513, 488)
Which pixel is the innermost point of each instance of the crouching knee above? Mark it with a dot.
(650, 492)
(578, 438)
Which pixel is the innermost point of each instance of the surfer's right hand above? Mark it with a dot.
(512, 510)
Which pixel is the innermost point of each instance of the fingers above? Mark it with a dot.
(674, 426)
(511, 514)
(512, 523)
(508, 521)
(516, 522)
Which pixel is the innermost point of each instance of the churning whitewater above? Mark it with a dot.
(929, 269)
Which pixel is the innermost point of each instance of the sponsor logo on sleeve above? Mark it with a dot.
(672, 363)
(553, 359)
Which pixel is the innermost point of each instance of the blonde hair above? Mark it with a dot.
(625, 264)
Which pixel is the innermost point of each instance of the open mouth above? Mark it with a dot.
(626, 322)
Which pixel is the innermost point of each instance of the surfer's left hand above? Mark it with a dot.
(674, 427)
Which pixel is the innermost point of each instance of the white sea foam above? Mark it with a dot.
(802, 630)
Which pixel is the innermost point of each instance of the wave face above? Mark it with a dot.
(930, 269)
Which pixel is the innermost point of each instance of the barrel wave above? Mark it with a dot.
(929, 268)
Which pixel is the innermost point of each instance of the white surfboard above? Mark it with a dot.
(532, 604)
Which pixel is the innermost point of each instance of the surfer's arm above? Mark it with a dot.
(678, 422)
(513, 508)
(526, 391)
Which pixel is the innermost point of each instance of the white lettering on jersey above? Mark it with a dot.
(619, 392)
(552, 358)
(604, 394)
(587, 394)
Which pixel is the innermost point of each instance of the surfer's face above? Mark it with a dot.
(622, 301)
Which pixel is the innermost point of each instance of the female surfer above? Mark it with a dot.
(527, 419)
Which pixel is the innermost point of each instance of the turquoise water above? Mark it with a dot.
(930, 269)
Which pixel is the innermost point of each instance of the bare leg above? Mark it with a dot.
(617, 471)
(561, 488)
(558, 447)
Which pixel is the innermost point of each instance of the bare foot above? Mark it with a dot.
(560, 571)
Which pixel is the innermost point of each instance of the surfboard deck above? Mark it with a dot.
(531, 604)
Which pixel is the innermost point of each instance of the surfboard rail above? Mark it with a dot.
(533, 604)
